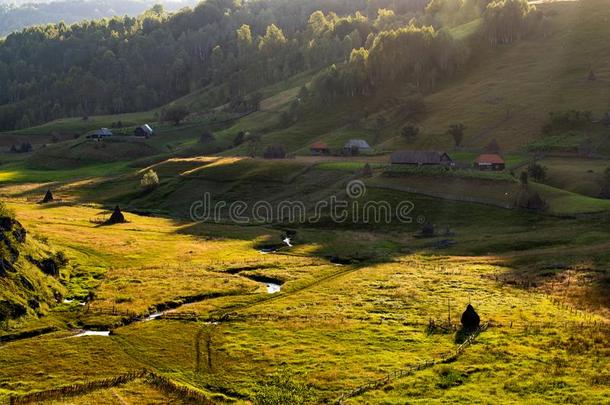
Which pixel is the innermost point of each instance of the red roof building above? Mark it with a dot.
(319, 148)
(490, 162)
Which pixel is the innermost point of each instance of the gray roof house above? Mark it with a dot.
(100, 133)
(359, 144)
(420, 157)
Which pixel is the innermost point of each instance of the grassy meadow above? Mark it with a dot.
(190, 310)
(332, 327)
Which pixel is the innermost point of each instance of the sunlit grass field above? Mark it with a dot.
(332, 327)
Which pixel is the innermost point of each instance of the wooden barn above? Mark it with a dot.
(421, 158)
(490, 161)
(144, 131)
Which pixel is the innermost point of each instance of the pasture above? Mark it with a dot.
(331, 327)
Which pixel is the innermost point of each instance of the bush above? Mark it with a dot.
(536, 171)
(150, 180)
(410, 132)
(207, 136)
(239, 138)
(457, 133)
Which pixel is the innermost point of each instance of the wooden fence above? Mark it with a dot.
(412, 368)
(76, 389)
(160, 382)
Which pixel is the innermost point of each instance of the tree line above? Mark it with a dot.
(421, 54)
(231, 49)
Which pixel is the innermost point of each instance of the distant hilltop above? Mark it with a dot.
(16, 15)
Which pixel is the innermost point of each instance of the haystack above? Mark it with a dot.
(48, 197)
(117, 217)
(470, 318)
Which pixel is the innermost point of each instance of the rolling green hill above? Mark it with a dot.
(503, 93)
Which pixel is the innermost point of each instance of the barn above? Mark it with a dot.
(490, 162)
(421, 158)
(100, 133)
(144, 130)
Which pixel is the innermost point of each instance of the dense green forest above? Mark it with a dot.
(128, 64)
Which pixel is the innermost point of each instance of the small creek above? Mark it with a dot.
(92, 333)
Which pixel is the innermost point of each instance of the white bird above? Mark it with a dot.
(287, 241)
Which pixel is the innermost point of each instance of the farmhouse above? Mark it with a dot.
(100, 133)
(490, 162)
(421, 158)
(319, 149)
(144, 131)
(356, 146)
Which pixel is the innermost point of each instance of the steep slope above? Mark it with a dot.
(29, 272)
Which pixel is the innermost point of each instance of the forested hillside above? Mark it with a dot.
(234, 49)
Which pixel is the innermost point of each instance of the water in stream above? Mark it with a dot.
(93, 333)
(273, 288)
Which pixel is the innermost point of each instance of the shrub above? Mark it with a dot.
(410, 132)
(239, 138)
(150, 180)
(457, 133)
(536, 171)
(207, 136)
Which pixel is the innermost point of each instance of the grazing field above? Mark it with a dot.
(78, 125)
(332, 327)
(192, 268)
(582, 176)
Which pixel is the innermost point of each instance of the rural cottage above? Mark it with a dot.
(490, 162)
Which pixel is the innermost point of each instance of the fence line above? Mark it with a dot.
(76, 389)
(432, 323)
(413, 368)
(160, 382)
(169, 386)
